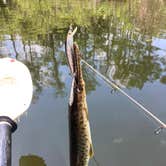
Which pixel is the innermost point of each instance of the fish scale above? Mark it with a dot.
(80, 138)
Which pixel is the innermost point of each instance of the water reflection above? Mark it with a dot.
(120, 47)
(163, 79)
(31, 160)
(3, 3)
(150, 15)
(123, 39)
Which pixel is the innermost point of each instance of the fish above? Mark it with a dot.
(81, 148)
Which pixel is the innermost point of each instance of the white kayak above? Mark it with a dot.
(16, 88)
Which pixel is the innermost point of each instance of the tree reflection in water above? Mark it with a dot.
(116, 37)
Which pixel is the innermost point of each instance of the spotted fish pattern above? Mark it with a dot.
(81, 149)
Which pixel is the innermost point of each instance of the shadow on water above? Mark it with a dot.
(31, 160)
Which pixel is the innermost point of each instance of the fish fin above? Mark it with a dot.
(86, 110)
(91, 152)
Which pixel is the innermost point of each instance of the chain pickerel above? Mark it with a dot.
(81, 149)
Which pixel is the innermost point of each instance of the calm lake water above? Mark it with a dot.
(126, 41)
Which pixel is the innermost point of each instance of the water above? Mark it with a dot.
(125, 41)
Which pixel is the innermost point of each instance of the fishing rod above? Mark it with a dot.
(146, 111)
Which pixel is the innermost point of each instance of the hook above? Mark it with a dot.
(158, 130)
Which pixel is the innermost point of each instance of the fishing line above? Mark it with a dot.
(95, 160)
(109, 82)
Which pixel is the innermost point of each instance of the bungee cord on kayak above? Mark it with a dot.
(146, 111)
